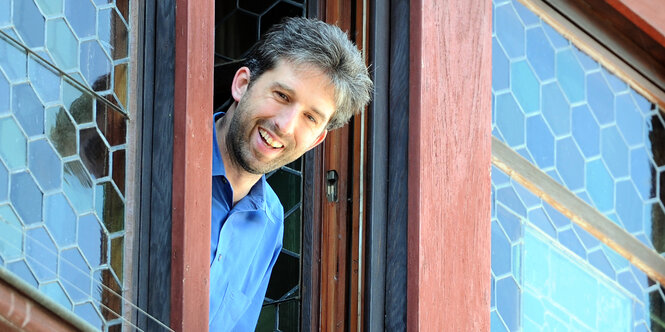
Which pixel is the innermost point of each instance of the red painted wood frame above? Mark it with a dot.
(449, 166)
(192, 164)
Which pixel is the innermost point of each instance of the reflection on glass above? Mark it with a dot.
(94, 152)
(547, 272)
(61, 131)
(77, 185)
(111, 123)
(110, 207)
(590, 132)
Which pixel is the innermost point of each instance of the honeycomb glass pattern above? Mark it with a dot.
(579, 123)
(548, 274)
(249, 19)
(63, 94)
(88, 40)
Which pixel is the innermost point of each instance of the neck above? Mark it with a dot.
(241, 181)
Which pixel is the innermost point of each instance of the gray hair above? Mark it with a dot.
(299, 41)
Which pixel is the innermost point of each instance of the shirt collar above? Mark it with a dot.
(256, 195)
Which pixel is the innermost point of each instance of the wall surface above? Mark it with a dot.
(449, 166)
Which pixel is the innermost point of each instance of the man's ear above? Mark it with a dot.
(319, 139)
(240, 83)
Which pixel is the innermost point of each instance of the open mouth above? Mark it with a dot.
(268, 139)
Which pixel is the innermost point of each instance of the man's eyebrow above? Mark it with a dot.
(281, 86)
(292, 92)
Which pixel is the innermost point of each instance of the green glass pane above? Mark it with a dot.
(109, 296)
(61, 131)
(110, 207)
(117, 250)
(267, 319)
(289, 316)
(62, 44)
(287, 186)
(285, 277)
(292, 231)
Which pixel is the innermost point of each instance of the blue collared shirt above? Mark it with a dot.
(245, 241)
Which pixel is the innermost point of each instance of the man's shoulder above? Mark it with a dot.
(273, 206)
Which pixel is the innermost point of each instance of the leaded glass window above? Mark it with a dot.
(593, 133)
(63, 139)
(238, 26)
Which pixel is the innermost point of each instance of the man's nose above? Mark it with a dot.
(287, 119)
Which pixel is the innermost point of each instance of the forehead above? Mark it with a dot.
(307, 82)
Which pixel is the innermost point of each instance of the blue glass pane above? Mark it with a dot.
(643, 173)
(45, 165)
(501, 263)
(28, 109)
(600, 185)
(500, 67)
(556, 109)
(569, 239)
(75, 275)
(54, 291)
(509, 30)
(616, 84)
(601, 99)
(77, 185)
(13, 61)
(50, 7)
(510, 119)
(95, 65)
(570, 75)
(570, 163)
(508, 302)
(60, 219)
(41, 254)
(29, 23)
(586, 131)
(44, 80)
(88, 312)
(598, 259)
(614, 151)
(92, 239)
(78, 102)
(511, 223)
(11, 241)
(81, 15)
(527, 16)
(540, 141)
(539, 53)
(4, 183)
(4, 94)
(525, 86)
(62, 44)
(616, 307)
(21, 270)
(629, 120)
(629, 206)
(533, 307)
(539, 218)
(26, 197)
(509, 198)
(5, 13)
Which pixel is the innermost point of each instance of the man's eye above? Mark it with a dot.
(311, 118)
(282, 96)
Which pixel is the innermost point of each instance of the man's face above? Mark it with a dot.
(279, 117)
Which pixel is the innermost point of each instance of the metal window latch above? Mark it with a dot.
(331, 185)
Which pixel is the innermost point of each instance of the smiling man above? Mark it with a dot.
(301, 80)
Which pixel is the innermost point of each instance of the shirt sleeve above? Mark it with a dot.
(249, 319)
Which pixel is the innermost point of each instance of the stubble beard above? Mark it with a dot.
(237, 142)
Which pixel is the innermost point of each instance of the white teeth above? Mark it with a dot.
(269, 139)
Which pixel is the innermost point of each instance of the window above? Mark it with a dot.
(577, 123)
